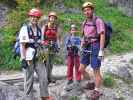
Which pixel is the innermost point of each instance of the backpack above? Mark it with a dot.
(16, 46)
(108, 30)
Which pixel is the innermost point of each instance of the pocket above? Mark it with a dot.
(95, 48)
(30, 52)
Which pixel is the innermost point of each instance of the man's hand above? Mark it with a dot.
(24, 64)
(101, 54)
(69, 47)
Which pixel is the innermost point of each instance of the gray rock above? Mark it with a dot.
(72, 10)
(119, 66)
(60, 6)
(126, 6)
(120, 71)
(8, 92)
(3, 11)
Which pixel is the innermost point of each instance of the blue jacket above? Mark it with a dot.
(71, 40)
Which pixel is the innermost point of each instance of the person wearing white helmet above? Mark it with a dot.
(72, 47)
(30, 37)
(93, 30)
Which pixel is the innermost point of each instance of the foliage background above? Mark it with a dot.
(122, 37)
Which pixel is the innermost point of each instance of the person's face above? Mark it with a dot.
(52, 18)
(34, 20)
(73, 30)
(88, 12)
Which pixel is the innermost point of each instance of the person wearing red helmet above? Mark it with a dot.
(30, 37)
(51, 40)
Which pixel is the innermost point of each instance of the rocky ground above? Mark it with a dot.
(119, 66)
(3, 11)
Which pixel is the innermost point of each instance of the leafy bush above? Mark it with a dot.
(108, 81)
(14, 20)
(73, 98)
(131, 61)
(121, 41)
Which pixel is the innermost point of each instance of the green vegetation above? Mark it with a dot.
(131, 61)
(73, 4)
(121, 98)
(108, 81)
(122, 37)
(73, 98)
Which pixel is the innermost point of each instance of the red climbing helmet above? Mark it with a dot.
(35, 12)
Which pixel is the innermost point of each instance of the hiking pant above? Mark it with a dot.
(73, 61)
(49, 65)
(29, 78)
(91, 58)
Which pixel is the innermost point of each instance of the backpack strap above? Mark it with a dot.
(45, 29)
(28, 30)
(93, 24)
(83, 26)
(38, 32)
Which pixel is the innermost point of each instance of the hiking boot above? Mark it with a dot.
(69, 82)
(95, 95)
(51, 81)
(47, 98)
(77, 85)
(69, 85)
(78, 81)
(90, 86)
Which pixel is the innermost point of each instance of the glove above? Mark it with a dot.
(75, 50)
(31, 41)
(58, 49)
(24, 64)
(101, 54)
(39, 41)
(36, 45)
(69, 47)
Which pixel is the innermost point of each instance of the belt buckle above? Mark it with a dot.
(87, 51)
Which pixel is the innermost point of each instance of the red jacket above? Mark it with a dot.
(49, 34)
